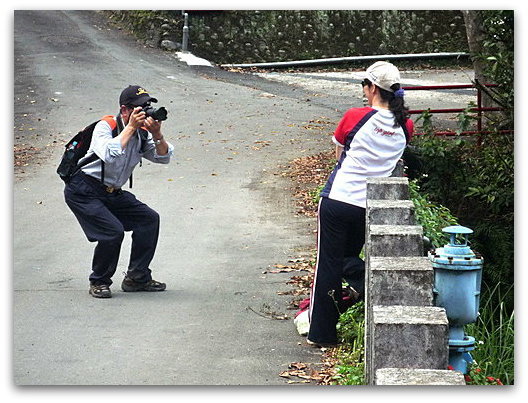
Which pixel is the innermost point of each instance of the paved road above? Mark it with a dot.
(338, 88)
(342, 85)
(226, 217)
(226, 214)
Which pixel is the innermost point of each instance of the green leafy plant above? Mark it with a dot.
(351, 326)
(475, 182)
(492, 182)
(350, 372)
(315, 194)
(350, 355)
(476, 376)
(432, 217)
(426, 118)
(466, 118)
(498, 56)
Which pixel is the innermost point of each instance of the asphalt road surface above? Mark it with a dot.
(226, 213)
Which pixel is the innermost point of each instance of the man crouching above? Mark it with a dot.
(104, 210)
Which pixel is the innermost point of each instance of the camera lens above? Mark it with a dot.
(156, 113)
(159, 114)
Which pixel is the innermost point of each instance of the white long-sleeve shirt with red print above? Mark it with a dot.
(372, 147)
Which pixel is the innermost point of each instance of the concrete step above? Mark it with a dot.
(413, 376)
(390, 212)
(391, 188)
(407, 337)
(395, 240)
(401, 281)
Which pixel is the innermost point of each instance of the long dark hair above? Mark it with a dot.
(396, 104)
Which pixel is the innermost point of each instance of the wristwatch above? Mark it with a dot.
(157, 142)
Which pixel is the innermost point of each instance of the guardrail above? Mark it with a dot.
(350, 59)
(479, 108)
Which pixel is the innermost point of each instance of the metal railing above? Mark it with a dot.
(350, 59)
(479, 108)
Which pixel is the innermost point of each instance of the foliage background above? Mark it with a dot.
(474, 177)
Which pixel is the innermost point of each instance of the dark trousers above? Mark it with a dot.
(104, 217)
(341, 235)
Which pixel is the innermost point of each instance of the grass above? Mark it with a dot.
(494, 335)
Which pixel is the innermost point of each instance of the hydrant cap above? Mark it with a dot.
(456, 255)
(457, 229)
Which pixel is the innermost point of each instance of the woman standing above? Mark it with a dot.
(369, 142)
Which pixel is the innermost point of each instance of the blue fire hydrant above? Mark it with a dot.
(458, 275)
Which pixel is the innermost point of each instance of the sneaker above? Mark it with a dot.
(100, 291)
(129, 285)
(321, 345)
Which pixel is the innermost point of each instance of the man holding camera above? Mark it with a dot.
(104, 210)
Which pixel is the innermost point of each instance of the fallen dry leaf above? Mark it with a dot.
(306, 372)
(308, 173)
(298, 365)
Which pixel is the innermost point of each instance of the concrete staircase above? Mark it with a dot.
(406, 337)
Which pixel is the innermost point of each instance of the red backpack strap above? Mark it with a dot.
(110, 120)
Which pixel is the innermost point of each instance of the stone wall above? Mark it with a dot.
(260, 36)
(251, 36)
(406, 337)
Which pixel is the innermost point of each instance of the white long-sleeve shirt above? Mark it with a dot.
(371, 148)
(120, 162)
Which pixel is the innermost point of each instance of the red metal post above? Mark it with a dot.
(479, 109)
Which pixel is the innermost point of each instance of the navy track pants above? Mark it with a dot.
(104, 217)
(341, 235)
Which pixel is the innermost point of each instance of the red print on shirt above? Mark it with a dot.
(379, 130)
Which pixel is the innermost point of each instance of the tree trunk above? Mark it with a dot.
(476, 36)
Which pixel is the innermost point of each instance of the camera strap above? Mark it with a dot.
(120, 127)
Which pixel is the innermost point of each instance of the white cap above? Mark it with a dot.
(383, 74)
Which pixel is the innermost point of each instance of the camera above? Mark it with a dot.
(155, 113)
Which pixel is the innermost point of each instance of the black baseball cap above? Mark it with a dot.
(134, 95)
